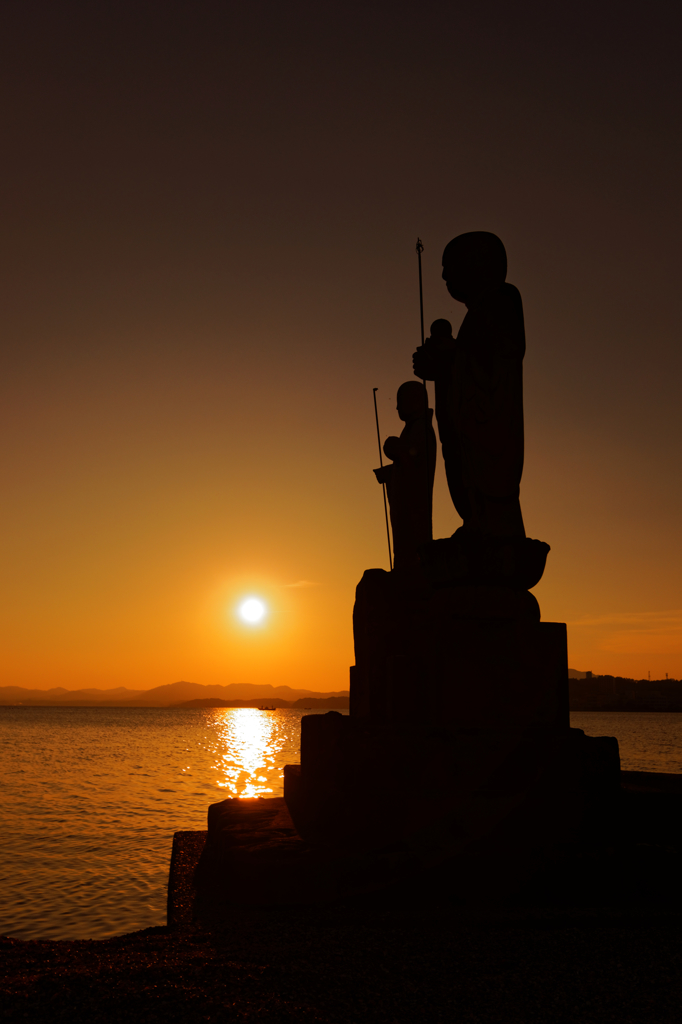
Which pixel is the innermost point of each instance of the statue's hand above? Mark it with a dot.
(424, 364)
(433, 357)
(383, 474)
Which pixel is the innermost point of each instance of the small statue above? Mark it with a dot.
(409, 478)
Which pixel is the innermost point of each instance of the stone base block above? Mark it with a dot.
(463, 657)
(359, 784)
(486, 848)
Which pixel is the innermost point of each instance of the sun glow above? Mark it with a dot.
(252, 611)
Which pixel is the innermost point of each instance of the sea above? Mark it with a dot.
(90, 799)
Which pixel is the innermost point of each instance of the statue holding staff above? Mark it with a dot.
(409, 478)
(479, 387)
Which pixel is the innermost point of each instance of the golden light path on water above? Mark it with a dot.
(252, 740)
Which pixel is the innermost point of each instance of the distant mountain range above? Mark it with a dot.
(165, 696)
(303, 703)
(176, 694)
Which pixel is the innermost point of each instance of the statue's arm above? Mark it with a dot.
(384, 474)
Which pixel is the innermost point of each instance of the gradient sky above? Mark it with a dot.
(209, 217)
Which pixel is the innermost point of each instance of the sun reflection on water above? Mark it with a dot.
(251, 740)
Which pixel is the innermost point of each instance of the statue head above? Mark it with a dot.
(473, 264)
(412, 400)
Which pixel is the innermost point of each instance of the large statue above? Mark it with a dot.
(479, 387)
(409, 479)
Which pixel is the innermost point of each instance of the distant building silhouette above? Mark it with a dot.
(616, 693)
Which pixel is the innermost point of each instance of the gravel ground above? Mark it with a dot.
(350, 964)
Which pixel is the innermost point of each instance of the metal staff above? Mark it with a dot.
(420, 249)
(383, 485)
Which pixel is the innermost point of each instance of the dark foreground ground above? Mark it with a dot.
(608, 949)
(348, 964)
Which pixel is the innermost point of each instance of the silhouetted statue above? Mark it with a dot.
(409, 479)
(496, 778)
(479, 387)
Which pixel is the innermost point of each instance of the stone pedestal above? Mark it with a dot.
(455, 657)
(457, 756)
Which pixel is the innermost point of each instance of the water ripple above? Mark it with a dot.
(91, 798)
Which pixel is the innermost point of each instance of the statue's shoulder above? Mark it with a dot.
(494, 327)
(509, 297)
(508, 312)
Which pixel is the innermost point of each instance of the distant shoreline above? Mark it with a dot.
(626, 711)
(619, 693)
(173, 695)
(303, 704)
(338, 703)
(330, 704)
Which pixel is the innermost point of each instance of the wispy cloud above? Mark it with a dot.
(641, 622)
(300, 583)
(637, 632)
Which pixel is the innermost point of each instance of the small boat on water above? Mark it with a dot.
(263, 708)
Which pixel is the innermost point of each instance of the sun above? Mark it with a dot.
(252, 611)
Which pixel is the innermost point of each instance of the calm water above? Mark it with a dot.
(91, 797)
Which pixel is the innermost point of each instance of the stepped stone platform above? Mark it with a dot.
(455, 777)
(252, 855)
(483, 796)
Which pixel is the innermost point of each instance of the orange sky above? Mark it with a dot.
(208, 263)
